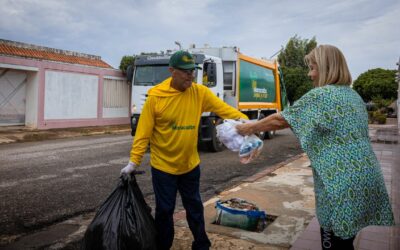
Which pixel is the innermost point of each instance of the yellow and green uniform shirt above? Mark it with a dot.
(170, 120)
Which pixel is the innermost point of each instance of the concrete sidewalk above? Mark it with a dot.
(284, 191)
(12, 134)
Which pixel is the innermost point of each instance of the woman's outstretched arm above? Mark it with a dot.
(269, 123)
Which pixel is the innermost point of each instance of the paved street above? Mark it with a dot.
(46, 182)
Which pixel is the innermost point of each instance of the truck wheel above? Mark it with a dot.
(263, 134)
(134, 123)
(270, 134)
(215, 145)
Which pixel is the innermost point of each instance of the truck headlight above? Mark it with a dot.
(133, 108)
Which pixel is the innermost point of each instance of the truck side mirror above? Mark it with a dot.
(129, 73)
(211, 75)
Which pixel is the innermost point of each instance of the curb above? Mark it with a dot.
(269, 170)
(50, 135)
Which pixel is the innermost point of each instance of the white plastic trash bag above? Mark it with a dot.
(249, 147)
(227, 134)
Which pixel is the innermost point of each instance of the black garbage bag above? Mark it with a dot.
(123, 221)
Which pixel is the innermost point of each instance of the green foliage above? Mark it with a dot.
(377, 117)
(291, 60)
(297, 82)
(376, 83)
(293, 54)
(125, 62)
(370, 116)
(382, 103)
(380, 119)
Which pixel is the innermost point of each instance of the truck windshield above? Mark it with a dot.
(150, 75)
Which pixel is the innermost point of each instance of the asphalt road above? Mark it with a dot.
(45, 182)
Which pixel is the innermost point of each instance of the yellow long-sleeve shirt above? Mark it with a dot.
(170, 121)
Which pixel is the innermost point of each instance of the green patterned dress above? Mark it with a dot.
(331, 123)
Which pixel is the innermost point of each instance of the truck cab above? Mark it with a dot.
(253, 86)
(150, 70)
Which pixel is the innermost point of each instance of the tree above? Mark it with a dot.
(293, 54)
(376, 84)
(297, 82)
(294, 69)
(125, 62)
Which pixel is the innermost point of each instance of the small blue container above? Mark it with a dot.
(251, 220)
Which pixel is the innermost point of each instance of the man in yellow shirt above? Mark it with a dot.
(169, 121)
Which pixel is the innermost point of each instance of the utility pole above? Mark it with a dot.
(179, 45)
(279, 51)
(398, 71)
(398, 93)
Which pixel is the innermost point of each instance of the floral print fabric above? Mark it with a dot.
(331, 123)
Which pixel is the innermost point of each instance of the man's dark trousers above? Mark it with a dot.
(165, 189)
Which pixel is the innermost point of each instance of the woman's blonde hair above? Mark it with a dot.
(332, 66)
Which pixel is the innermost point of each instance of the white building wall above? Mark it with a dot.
(32, 86)
(70, 95)
(12, 96)
(398, 95)
(115, 97)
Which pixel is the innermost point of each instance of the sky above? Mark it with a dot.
(367, 32)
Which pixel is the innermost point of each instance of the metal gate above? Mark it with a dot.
(12, 97)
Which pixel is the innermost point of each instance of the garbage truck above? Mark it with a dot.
(253, 86)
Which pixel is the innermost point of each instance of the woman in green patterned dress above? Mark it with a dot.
(331, 123)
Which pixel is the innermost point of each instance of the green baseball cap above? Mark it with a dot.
(182, 60)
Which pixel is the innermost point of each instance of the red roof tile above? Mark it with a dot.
(7, 49)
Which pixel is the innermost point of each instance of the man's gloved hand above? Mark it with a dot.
(129, 168)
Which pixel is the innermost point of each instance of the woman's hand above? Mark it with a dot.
(245, 129)
(269, 123)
